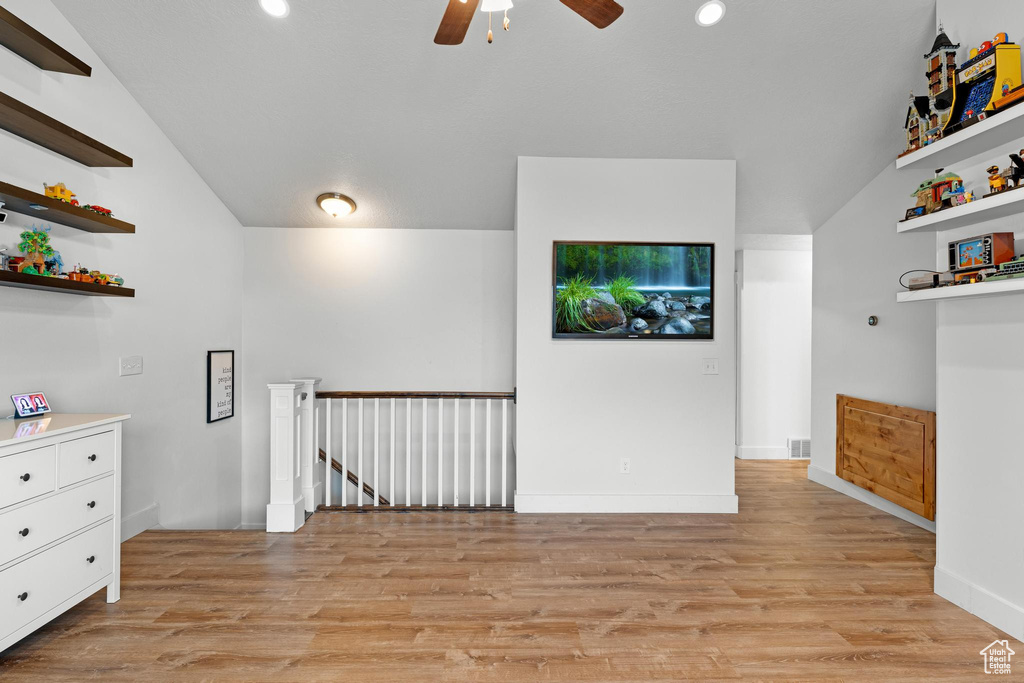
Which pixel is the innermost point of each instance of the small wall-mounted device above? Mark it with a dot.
(3, 214)
(873, 320)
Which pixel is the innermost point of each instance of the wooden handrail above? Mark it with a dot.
(499, 395)
(367, 489)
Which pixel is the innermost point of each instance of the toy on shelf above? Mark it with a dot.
(988, 82)
(35, 244)
(4, 259)
(996, 181)
(60, 191)
(982, 80)
(116, 280)
(971, 256)
(98, 209)
(944, 191)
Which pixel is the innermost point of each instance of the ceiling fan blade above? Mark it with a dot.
(600, 13)
(456, 22)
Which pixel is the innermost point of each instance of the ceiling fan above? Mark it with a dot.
(456, 20)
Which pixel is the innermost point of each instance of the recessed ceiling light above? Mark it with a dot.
(710, 13)
(275, 8)
(337, 205)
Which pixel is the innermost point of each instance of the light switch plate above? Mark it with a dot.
(130, 365)
(710, 366)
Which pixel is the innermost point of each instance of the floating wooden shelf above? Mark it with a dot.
(35, 126)
(30, 44)
(995, 131)
(52, 284)
(979, 289)
(21, 201)
(1002, 205)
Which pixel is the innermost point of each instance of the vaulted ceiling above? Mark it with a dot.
(353, 96)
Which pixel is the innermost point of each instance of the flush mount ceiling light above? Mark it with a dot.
(276, 8)
(337, 205)
(710, 13)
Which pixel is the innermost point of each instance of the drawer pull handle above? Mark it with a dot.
(92, 458)
(24, 532)
(91, 503)
(26, 476)
(90, 559)
(23, 597)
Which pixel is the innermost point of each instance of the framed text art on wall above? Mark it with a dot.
(220, 385)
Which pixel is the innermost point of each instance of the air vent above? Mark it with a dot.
(800, 449)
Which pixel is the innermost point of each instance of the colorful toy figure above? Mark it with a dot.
(936, 194)
(35, 244)
(996, 181)
(98, 209)
(60, 191)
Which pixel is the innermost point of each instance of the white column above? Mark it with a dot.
(309, 456)
(286, 511)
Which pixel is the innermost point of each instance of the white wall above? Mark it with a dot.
(585, 404)
(980, 471)
(371, 310)
(774, 293)
(185, 262)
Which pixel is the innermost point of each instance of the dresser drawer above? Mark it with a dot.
(32, 526)
(27, 475)
(85, 458)
(31, 588)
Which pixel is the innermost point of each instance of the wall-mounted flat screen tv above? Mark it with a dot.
(633, 290)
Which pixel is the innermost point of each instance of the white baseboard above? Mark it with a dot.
(762, 453)
(826, 478)
(981, 603)
(625, 503)
(137, 522)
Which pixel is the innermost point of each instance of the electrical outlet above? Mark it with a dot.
(624, 466)
(710, 366)
(130, 365)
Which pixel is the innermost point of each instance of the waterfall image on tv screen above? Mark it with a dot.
(633, 290)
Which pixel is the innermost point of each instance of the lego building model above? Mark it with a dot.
(960, 97)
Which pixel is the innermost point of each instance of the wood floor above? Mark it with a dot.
(803, 584)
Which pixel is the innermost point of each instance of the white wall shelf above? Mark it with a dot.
(1002, 205)
(978, 289)
(993, 132)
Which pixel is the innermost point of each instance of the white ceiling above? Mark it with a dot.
(353, 96)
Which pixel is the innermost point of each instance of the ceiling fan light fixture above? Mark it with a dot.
(276, 8)
(336, 205)
(495, 6)
(710, 13)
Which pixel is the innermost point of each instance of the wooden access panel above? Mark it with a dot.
(888, 450)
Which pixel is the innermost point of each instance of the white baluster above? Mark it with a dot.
(504, 450)
(391, 491)
(472, 452)
(440, 451)
(344, 452)
(376, 452)
(456, 468)
(487, 468)
(309, 456)
(327, 471)
(408, 451)
(423, 456)
(359, 459)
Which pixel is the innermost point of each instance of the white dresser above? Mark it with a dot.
(60, 517)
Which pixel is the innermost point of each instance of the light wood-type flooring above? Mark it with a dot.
(803, 584)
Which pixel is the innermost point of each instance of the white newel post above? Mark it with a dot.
(312, 486)
(286, 512)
